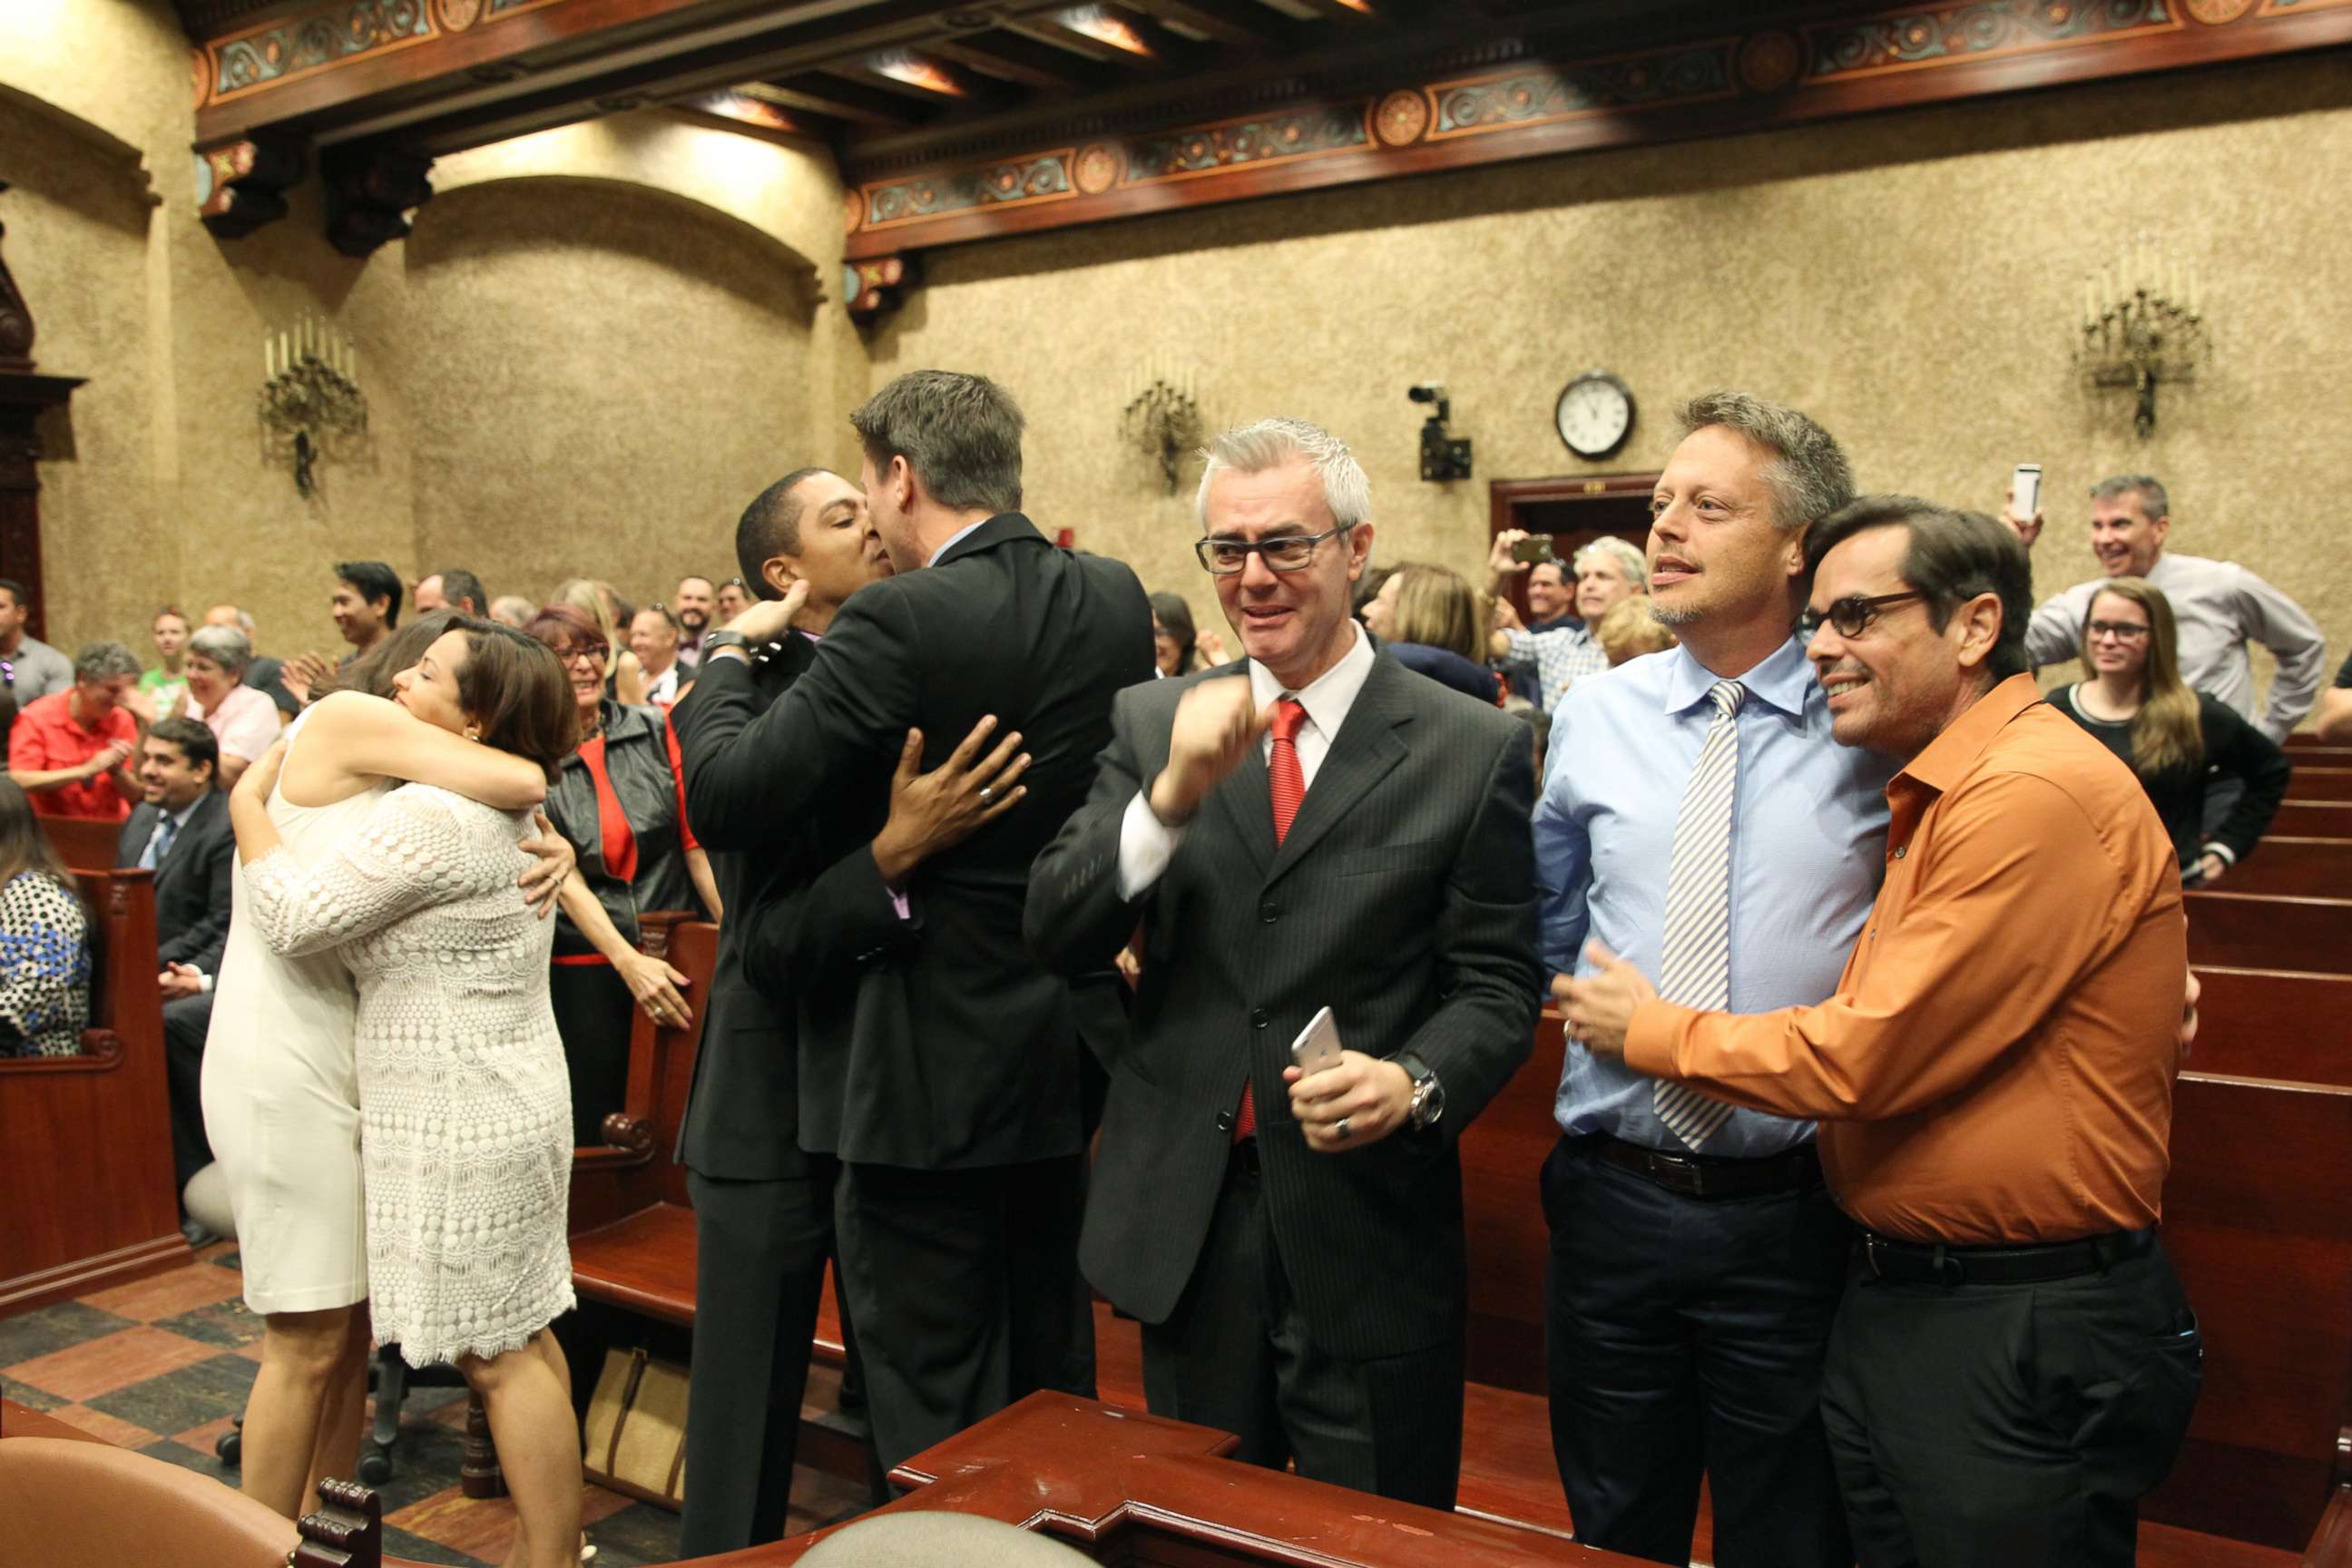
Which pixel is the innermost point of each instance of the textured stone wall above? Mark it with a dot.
(1909, 279)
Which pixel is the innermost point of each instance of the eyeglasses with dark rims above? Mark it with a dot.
(1289, 553)
(1853, 615)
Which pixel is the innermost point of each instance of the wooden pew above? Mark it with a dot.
(2258, 1220)
(2312, 819)
(85, 843)
(85, 1141)
(2298, 868)
(2320, 782)
(2253, 931)
(631, 1223)
(2269, 1023)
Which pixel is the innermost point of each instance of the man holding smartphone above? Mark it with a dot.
(1311, 828)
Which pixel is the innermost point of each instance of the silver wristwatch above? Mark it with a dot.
(1428, 1094)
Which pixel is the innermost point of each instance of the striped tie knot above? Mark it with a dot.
(1694, 954)
(1726, 696)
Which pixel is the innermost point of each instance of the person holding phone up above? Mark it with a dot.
(1314, 830)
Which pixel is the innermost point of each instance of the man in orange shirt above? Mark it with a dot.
(71, 751)
(2014, 1362)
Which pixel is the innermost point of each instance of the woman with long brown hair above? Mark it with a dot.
(466, 1132)
(44, 939)
(2172, 737)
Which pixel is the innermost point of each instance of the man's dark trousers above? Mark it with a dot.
(1684, 1337)
(2011, 1424)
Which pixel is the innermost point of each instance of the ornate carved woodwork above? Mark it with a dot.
(876, 285)
(25, 396)
(240, 184)
(369, 195)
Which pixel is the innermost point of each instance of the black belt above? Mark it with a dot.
(1913, 1263)
(1712, 1175)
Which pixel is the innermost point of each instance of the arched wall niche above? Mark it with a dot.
(600, 374)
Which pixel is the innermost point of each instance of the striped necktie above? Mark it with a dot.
(1694, 959)
(159, 844)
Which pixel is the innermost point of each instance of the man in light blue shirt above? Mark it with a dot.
(1699, 820)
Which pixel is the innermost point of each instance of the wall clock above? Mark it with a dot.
(1595, 414)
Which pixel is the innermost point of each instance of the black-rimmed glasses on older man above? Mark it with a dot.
(1851, 615)
(1289, 553)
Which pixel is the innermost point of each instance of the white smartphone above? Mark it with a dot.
(2025, 487)
(1317, 1045)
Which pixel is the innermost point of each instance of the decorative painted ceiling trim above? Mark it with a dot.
(1772, 77)
(333, 34)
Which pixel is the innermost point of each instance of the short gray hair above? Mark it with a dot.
(961, 433)
(1809, 476)
(1268, 444)
(1637, 571)
(104, 662)
(224, 645)
(2147, 488)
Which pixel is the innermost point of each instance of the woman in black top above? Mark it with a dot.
(2169, 735)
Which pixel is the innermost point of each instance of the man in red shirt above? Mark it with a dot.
(71, 751)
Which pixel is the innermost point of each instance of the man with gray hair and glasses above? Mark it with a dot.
(1563, 644)
(1311, 837)
(1699, 820)
(2218, 605)
(960, 1125)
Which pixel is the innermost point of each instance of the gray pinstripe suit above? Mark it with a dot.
(1403, 896)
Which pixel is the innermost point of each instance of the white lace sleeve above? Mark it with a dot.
(407, 854)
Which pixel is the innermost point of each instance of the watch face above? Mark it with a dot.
(1595, 414)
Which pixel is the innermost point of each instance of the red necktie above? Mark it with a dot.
(1288, 783)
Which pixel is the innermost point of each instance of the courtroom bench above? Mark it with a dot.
(2298, 868)
(85, 1141)
(2312, 819)
(2317, 780)
(2261, 930)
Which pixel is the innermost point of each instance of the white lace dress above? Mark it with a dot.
(466, 1108)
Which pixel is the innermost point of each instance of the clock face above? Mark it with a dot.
(1595, 415)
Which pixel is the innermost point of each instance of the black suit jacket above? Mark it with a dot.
(1403, 898)
(958, 1050)
(191, 883)
(741, 1117)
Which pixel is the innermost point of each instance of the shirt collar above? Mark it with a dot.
(956, 537)
(1783, 680)
(1330, 695)
(1950, 754)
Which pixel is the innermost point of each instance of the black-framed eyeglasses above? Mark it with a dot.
(1851, 615)
(1290, 552)
(2121, 631)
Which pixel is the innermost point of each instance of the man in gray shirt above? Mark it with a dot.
(2220, 606)
(31, 668)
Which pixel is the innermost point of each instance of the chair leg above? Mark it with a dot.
(479, 1475)
(391, 1394)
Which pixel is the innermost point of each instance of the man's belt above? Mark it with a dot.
(1714, 1176)
(1916, 1263)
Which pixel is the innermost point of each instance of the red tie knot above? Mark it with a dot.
(1289, 714)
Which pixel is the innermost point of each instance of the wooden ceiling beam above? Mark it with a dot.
(1243, 23)
(1026, 61)
(926, 78)
(1159, 50)
(817, 93)
(1368, 13)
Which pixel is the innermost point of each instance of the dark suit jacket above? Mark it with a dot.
(741, 1117)
(1404, 899)
(192, 884)
(961, 1050)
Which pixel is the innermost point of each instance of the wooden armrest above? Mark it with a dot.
(2332, 1547)
(628, 1140)
(101, 1051)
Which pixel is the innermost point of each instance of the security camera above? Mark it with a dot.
(1444, 456)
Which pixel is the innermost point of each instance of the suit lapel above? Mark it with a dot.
(1362, 754)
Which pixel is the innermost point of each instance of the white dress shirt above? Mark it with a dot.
(1146, 845)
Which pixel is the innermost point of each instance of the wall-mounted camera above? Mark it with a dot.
(1444, 456)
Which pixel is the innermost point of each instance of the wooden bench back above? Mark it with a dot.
(637, 1167)
(2259, 1022)
(2313, 819)
(2255, 930)
(2317, 780)
(2258, 1219)
(1503, 1153)
(85, 843)
(2296, 868)
(85, 1141)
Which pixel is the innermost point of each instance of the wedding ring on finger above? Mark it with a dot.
(1339, 1130)
(986, 795)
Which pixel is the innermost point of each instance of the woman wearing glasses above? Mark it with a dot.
(2173, 738)
(621, 803)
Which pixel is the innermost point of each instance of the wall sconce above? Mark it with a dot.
(2141, 326)
(1164, 422)
(311, 397)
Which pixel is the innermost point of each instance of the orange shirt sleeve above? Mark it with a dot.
(2011, 898)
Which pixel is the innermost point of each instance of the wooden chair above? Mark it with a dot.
(85, 1141)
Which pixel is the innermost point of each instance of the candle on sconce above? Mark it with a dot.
(269, 358)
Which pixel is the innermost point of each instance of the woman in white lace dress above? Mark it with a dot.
(466, 1117)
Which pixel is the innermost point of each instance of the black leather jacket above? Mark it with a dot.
(637, 759)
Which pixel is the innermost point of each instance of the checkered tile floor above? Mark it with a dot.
(163, 1365)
